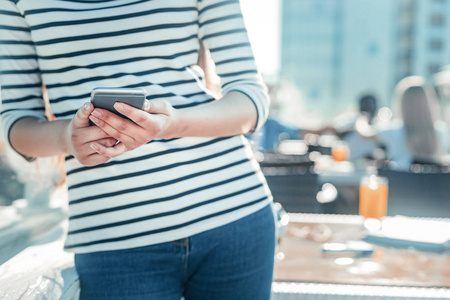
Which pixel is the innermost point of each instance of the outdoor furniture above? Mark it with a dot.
(418, 194)
(292, 181)
(302, 271)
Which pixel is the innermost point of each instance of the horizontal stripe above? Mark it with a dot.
(222, 33)
(9, 13)
(13, 42)
(232, 60)
(14, 28)
(155, 170)
(118, 62)
(112, 18)
(58, 9)
(221, 19)
(116, 48)
(22, 110)
(113, 33)
(168, 213)
(15, 72)
(21, 86)
(150, 232)
(160, 184)
(216, 5)
(25, 98)
(114, 76)
(152, 155)
(228, 47)
(18, 57)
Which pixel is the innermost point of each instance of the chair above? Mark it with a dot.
(418, 194)
(292, 180)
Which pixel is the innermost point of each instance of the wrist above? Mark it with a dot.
(175, 125)
(65, 138)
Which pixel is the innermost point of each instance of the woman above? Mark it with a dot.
(172, 204)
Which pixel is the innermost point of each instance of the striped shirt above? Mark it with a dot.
(166, 189)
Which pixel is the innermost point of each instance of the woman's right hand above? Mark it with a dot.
(80, 134)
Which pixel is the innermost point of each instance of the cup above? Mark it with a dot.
(339, 151)
(373, 197)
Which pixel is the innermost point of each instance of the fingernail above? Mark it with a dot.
(86, 106)
(93, 119)
(146, 105)
(94, 147)
(96, 113)
(119, 106)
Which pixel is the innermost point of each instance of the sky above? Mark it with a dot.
(262, 21)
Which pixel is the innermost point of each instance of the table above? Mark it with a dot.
(390, 273)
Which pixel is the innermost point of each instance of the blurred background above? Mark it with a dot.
(334, 51)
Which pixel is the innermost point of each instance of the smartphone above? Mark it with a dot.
(106, 98)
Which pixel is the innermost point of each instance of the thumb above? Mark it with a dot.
(157, 107)
(81, 118)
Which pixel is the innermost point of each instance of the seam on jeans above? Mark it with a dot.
(185, 264)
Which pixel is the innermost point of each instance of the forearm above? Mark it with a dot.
(234, 114)
(39, 138)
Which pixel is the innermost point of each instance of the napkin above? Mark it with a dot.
(423, 234)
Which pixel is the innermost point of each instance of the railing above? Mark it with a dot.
(315, 291)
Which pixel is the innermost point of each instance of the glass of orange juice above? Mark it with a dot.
(373, 200)
(339, 151)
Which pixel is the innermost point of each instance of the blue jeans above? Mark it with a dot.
(231, 262)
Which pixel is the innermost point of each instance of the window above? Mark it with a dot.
(437, 20)
(433, 68)
(436, 44)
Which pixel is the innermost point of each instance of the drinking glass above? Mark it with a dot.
(373, 200)
(339, 151)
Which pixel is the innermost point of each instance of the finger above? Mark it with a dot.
(85, 156)
(138, 116)
(81, 118)
(96, 159)
(158, 107)
(107, 142)
(114, 126)
(89, 134)
(114, 151)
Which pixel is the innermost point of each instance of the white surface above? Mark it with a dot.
(42, 271)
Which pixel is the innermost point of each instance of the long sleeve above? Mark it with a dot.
(223, 32)
(20, 80)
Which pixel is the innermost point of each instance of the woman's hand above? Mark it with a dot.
(155, 121)
(80, 136)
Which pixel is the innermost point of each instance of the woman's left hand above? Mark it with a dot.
(155, 121)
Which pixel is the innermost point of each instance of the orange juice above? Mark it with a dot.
(339, 154)
(373, 197)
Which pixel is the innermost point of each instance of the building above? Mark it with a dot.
(431, 36)
(336, 50)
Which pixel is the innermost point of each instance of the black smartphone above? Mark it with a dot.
(106, 98)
